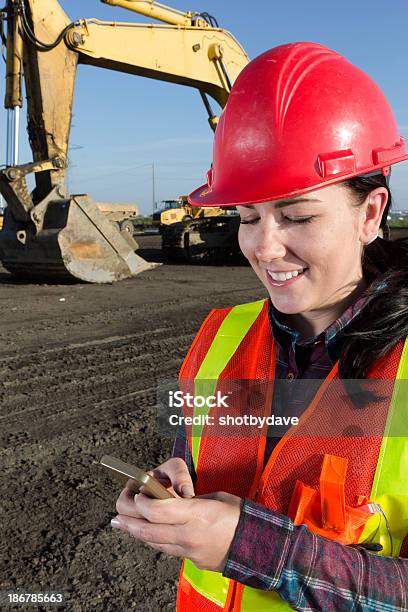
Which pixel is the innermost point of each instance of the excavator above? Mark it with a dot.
(49, 233)
(191, 234)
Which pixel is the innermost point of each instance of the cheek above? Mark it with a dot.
(339, 237)
(245, 242)
(332, 251)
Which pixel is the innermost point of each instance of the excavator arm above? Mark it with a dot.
(208, 59)
(49, 225)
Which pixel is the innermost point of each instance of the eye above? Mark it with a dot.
(248, 221)
(298, 219)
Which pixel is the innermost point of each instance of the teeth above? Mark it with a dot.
(282, 276)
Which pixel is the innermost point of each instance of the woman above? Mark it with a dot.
(314, 517)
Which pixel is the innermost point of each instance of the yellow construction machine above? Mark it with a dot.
(180, 211)
(211, 237)
(196, 235)
(48, 232)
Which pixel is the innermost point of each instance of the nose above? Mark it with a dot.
(269, 244)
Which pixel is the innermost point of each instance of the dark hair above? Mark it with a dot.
(384, 318)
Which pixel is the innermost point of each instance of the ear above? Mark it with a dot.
(373, 211)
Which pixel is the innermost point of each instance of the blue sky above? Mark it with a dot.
(122, 124)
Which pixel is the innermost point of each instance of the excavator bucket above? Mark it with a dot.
(48, 234)
(73, 241)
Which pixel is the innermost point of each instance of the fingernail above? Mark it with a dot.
(116, 524)
(187, 491)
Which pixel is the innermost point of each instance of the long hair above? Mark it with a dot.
(384, 318)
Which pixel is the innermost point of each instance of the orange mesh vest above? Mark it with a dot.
(322, 472)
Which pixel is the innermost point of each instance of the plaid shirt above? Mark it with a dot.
(268, 552)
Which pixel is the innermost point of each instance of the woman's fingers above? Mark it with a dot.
(145, 531)
(163, 481)
(125, 504)
(175, 475)
(171, 511)
(160, 537)
(176, 472)
(200, 529)
(175, 511)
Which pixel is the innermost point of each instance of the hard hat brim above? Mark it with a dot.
(206, 196)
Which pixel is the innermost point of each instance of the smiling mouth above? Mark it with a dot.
(278, 279)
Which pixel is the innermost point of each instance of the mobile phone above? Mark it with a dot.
(139, 478)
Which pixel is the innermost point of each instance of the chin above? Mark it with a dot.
(288, 307)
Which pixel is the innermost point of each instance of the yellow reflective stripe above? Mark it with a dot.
(402, 373)
(390, 486)
(262, 601)
(229, 336)
(211, 585)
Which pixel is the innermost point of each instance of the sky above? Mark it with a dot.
(123, 124)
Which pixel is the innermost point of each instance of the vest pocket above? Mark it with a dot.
(324, 511)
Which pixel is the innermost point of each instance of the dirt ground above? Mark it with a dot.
(79, 369)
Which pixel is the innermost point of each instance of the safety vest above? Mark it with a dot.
(333, 459)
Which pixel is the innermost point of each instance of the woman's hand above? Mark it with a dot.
(199, 528)
(174, 475)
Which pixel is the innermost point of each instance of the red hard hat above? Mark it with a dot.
(298, 117)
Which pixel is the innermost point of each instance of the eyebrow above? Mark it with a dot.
(283, 203)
